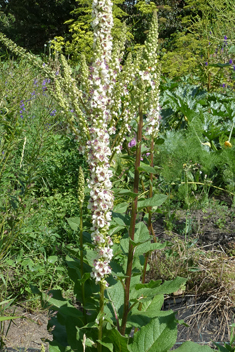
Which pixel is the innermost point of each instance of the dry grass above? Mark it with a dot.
(211, 280)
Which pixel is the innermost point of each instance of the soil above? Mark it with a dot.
(29, 332)
(214, 229)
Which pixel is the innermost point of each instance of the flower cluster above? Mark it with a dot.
(101, 200)
(98, 150)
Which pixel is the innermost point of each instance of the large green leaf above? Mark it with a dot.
(120, 208)
(127, 192)
(120, 219)
(157, 336)
(141, 233)
(59, 334)
(120, 342)
(74, 222)
(147, 168)
(115, 229)
(147, 246)
(190, 346)
(166, 288)
(155, 201)
(116, 295)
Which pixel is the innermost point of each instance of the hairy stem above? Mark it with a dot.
(132, 225)
(100, 328)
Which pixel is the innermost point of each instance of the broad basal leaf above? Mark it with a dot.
(193, 347)
(157, 336)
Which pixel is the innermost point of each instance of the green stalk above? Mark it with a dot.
(81, 263)
(101, 313)
(132, 225)
(150, 228)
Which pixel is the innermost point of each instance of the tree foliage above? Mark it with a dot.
(204, 27)
(82, 32)
(32, 23)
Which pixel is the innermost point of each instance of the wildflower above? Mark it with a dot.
(206, 63)
(230, 61)
(53, 112)
(227, 144)
(132, 143)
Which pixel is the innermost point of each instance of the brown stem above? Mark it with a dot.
(132, 225)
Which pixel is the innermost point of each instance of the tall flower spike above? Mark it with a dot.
(81, 183)
(101, 197)
(152, 72)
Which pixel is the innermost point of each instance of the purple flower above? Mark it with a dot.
(233, 68)
(132, 143)
(230, 61)
(225, 38)
(223, 85)
(53, 112)
(206, 63)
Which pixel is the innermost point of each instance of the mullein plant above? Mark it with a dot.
(99, 110)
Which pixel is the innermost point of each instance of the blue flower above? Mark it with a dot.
(53, 112)
(230, 61)
(206, 63)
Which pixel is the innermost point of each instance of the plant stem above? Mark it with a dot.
(101, 313)
(81, 263)
(132, 225)
(150, 228)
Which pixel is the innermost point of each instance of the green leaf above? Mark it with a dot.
(52, 259)
(150, 284)
(220, 65)
(159, 141)
(232, 49)
(115, 229)
(109, 345)
(120, 342)
(151, 307)
(74, 223)
(193, 347)
(147, 168)
(120, 219)
(157, 336)
(141, 234)
(8, 318)
(147, 246)
(116, 295)
(166, 288)
(120, 208)
(127, 192)
(155, 201)
(55, 348)
(220, 348)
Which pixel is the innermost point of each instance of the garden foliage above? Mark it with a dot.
(78, 181)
